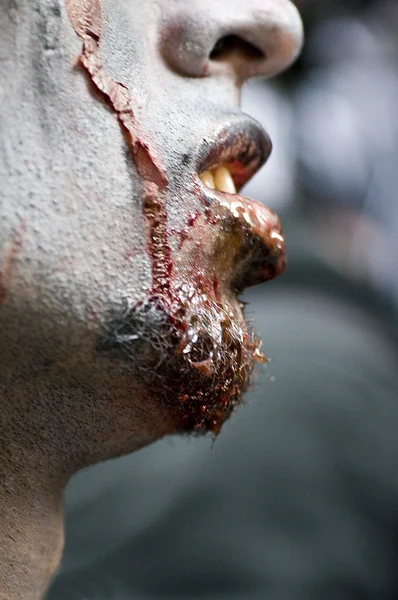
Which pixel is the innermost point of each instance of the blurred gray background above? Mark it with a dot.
(298, 497)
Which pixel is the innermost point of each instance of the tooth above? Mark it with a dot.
(208, 179)
(224, 181)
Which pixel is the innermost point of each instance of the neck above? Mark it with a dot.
(31, 526)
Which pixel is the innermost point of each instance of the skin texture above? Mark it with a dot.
(118, 270)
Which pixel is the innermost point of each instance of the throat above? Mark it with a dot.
(31, 530)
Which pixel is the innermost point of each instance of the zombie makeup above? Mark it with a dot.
(126, 241)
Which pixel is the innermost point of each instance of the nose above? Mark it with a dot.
(243, 38)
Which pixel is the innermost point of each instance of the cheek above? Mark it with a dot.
(72, 230)
(72, 188)
(72, 260)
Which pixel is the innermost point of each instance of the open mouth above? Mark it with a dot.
(224, 167)
(191, 345)
(264, 239)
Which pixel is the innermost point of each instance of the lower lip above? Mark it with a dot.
(262, 240)
(262, 221)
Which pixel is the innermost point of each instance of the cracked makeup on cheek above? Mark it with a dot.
(86, 19)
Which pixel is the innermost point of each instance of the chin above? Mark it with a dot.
(192, 353)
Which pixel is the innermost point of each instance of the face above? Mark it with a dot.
(124, 242)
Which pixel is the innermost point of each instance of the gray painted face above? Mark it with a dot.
(119, 270)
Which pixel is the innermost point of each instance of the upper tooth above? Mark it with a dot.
(223, 181)
(208, 179)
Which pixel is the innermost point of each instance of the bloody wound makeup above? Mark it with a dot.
(187, 341)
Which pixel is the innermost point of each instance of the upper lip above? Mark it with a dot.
(242, 145)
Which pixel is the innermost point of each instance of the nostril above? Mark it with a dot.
(233, 45)
(261, 39)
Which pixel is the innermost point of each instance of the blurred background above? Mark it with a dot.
(298, 497)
